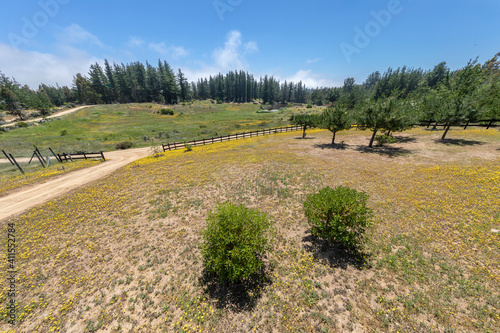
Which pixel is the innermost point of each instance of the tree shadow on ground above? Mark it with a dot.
(384, 150)
(239, 297)
(336, 255)
(306, 138)
(459, 142)
(340, 146)
(404, 139)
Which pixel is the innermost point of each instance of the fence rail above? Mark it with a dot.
(229, 137)
(80, 156)
(480, 123)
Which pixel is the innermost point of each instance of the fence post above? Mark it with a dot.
(7, 157)
(39, 158)
(31, 158)
(465, 127)
(22, 171)
(84, 156)
(102, 154)
(57, 158)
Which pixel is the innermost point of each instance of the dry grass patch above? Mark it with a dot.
(123, 255)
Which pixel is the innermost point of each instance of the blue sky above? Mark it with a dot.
(318, 42)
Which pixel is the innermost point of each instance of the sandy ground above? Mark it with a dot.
(65, 112)
(27, 198)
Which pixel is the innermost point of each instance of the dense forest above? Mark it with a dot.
(391, 101)
(139, 83)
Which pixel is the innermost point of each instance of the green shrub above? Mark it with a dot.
(309, 106)
(167, 111)
(124, 145)
(64, 132)
(382, 139)
(219, 102)
(22, 124)
(187, 146)
(339, 215)
(233, 240)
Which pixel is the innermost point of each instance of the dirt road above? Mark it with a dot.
(65, 112)
(27, 198)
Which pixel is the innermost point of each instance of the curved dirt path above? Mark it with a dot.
(65, 112)
(27, 198)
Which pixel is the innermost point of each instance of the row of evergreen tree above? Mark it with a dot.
(473, 90)
(138, 83)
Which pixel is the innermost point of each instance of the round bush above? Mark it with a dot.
(124, 145)
(167, 111)
(339, 215)
(233, 240)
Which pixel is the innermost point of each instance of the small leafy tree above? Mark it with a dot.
(339, 215)
(457, 96)
(335, 119)
(388, 114)
(304, 120)
(234, 238)
(11, 103)
(489, 93)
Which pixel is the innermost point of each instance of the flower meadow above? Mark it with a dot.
(36, 174)
(122, 254)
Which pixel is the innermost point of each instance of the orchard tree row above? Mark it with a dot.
(401, 98)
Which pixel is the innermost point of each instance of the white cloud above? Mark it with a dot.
(33, 68)
(232, 56)
(313, 80)
(75, 34)
(135, 42)
(168, 51)
(229, 57)
(251, 47)
(312, 61)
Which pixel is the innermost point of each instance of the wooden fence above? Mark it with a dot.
(229, 137)
(481, 123)
(80, 156)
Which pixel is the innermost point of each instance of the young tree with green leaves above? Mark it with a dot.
(335, 119)
(489, 92)
(384, 114)
(10, 103)
(457, 96)
(304, 120)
